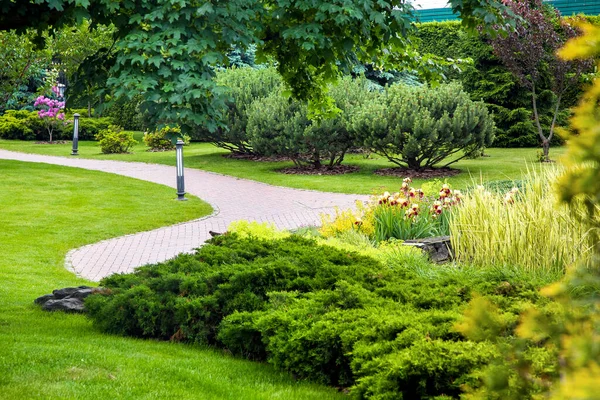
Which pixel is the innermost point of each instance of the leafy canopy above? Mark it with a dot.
(167, 49)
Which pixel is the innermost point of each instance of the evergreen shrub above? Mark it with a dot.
(420, 127)
(331, 315)
(242, 86)
(281, 126)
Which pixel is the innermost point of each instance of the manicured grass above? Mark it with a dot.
(47, 210)
(502, 164)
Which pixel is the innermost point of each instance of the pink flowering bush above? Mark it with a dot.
(51, 112)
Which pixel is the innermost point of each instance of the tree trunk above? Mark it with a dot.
(413, 163)
(546, 148)
(89, 109)
(536, 116)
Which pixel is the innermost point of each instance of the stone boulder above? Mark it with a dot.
(439, 248)
(68, 299)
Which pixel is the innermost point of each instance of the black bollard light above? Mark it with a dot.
(75, 134)
(180, 183)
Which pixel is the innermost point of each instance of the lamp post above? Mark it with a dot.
(61, 90)
(180, 182)
(75, 134)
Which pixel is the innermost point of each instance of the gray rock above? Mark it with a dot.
(439, 248)
(65, 304)
(66, 292)
(43, 299)
(67, 299)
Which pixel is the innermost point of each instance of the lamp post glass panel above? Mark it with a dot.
(180, 182)
(75, 134)
(61, 90)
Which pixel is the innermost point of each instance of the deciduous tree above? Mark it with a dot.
(531, 47)
(167, 49)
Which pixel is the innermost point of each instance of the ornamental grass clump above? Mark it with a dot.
(524, 228)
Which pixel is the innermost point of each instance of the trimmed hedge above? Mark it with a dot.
(27, 125)
(325, 314)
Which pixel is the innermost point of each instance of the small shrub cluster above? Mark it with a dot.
(326, 314)
(407, 214)
(161, 139)
(282, 127)
(27, 125)
(414, 126)
(115, 140)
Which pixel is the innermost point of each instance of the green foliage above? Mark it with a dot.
(571, 329)
(331, 315)
(243, 86)
(168, 53)
(488, 80)
(17, 125)
(163, 139)
(125, 112)
(27, 125)
(420, 127)
(114, 140)
(20, 63)
(280, 126)
(252, 229)
(88, 127)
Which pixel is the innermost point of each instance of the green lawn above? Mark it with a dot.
(47, 210)
(502, 164)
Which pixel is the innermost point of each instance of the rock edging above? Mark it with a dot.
(70, 299)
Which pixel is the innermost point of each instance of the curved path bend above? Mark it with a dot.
(231, 198)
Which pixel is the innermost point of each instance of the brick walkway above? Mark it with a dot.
(232, 199)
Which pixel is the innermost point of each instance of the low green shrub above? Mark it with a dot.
(326, 314)
(27, 125)
(420, 127)
(88, 127)
(161, 140)
(115, 140)
(16, 125)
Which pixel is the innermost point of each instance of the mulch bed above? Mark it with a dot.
(55, 142)
(423, 174)
(252, 157)
(308, 170)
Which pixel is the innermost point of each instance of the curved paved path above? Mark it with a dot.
(232, 199)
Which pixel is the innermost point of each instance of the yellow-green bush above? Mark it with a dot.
(257, 230)
(524, 228)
